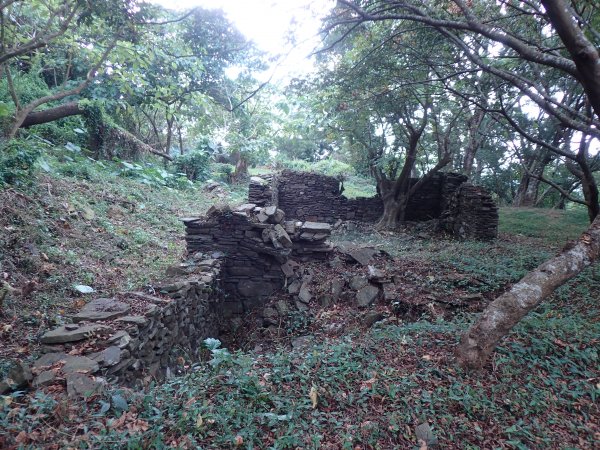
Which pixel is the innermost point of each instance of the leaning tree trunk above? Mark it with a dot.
(506, 311)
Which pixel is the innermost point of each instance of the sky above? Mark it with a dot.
(267, 23)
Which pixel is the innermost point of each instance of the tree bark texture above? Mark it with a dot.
(506, 311)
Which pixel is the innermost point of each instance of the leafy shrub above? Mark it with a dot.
(153, 175)
(17, 161)
(329, 166)
(334, 168)
(281, 162)
(221, 171)
(195, 165)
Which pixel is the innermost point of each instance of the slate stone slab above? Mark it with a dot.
(102, 309)
(61, 335)
(81, 385)
(80, 364)
(367, 295)
(316, 227)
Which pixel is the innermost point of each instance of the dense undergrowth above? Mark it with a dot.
(84, 222)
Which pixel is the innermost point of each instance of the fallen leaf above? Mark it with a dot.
(314, 396)
(426, 357)
(199, 421)
(238, 441)
(422, 444)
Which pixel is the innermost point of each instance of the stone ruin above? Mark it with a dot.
(462, 209)
(237, 259)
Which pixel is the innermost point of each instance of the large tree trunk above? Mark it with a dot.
(506, 311)
(393, 211)
(52, 114)
(96, 136)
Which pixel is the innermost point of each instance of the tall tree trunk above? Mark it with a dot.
(506, 311)
(527, 192)
(473, 142)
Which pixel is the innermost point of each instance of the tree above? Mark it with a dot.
(546, 37)
(386, 98)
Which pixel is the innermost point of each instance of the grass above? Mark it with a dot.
(361, 390)
(534, 222)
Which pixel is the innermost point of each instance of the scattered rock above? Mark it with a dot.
(49, 359)
(371, 318)
(337, 286)
(287, 269)
(389, 292)
(282, 308)
(325, 300)
(367, 295)
(302, 342)
(81, 385)
(45, 378)
(294, 287)
(358, 281)
(18, 377)
(377, 275)
(305, 296)
(424, 433)
(83, 289)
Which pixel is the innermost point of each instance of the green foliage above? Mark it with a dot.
(153, 175)
(328, 166)
(195, 165)
(17, 161)
(221, 172)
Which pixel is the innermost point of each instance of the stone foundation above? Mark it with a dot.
(136, 334)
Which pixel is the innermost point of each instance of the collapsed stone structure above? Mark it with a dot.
(463, 209)
(262, 250)
(238, 258)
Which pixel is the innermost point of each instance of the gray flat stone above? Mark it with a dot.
(81, 385)
(138, 320)
(49, 359)
(102, 309)
(358, 282)
(45, 378)
(305, 294)
(367, 295)
(111, 355)
(80, 364)
(362, 255)
(61, 335)
(316, 227)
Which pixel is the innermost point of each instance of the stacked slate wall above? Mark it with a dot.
(135, 334)
(471, 212)
(316, 197)
(258, 246)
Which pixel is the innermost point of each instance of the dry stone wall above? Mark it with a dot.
(316, 197)
(471, 212)
(135, 334)
(260, 250)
